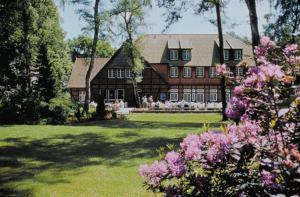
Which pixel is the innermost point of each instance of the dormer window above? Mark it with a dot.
(186, 54)
(226, 55)
(173, 54)
(238, 54)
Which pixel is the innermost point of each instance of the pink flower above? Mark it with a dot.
(144, 170)
(267, 178)
(290, 49)
(175, 163)
(238, 90)
(221, 69)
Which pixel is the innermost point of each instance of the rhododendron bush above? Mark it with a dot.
(258, 153)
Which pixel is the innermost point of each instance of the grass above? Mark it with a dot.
(99, 159)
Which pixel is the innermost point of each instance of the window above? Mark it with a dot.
(213, 95)
(174, 95)
(173, 54)
(199, 72)
(193, 97)
(187, 72)
(186, 54)
(162, 96)
(212, 72)
(120, 94)
(173, 71)
(228, 95)
(111, 94)
(237, 54)
(81, 96)
(128, 73)
(226, 55)
(187, 97)
(120, 73)
(111, 73)
(200, 95)
(239, 71)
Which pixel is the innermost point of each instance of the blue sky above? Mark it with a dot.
(236, 13)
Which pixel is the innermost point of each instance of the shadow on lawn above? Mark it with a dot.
(27, 157)
(129, 124)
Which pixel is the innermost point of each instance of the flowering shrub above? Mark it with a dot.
(258, 154)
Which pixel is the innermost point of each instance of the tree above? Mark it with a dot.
(81, 47)
(174, 13)
(251, 4)
(284, 26)
(32, 51)
(132, 13)
(93, 23)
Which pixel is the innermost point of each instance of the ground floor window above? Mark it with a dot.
(213, 95)
(120, 94)
(111, 94)
(200, 97)
(187, 97)
(162, 96)
(174, 95)
(228, 95)
(81, 96)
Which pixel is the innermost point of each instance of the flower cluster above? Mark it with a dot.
(256, 155)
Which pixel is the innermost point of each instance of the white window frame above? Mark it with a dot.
(117, 94)
(213, 95)
(187, 72)
(174, 92)
(202, 72)
(238, 54)
(118, 71)
(186, 54)
(226, 54)
(109, 99)
(200, 93)
(173, 72)
(173, 54)
(127, 73)
(212, 72)
(239, 71)
(111, 74)
(81, 96)
(228, 95)
(185, 94)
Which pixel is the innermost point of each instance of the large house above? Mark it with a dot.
(176, 67)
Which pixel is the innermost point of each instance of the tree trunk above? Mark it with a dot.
(92, 61)
(253, 23)
(221, 52)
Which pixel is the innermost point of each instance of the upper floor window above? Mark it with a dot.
(173, 54)
(239, 71)
(173, 71)
(187, 72)
(120, 73)
(186, 54)
(226, 55)
(212, 72)
(238, 54)
(111, 73)
(128, 73)
(200, 72)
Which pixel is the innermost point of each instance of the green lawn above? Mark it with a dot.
(100, 159)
